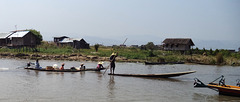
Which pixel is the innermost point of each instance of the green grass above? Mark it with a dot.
(132, 53)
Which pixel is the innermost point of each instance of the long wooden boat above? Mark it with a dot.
(158, 63)
(164, 75)
(223, 89)
(66, 70)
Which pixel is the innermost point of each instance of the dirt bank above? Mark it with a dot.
(69, 57)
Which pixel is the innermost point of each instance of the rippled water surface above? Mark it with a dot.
(20, 85)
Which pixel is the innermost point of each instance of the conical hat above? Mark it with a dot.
(114, 53)
(100, 62)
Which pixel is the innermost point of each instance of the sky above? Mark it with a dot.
(209, 23)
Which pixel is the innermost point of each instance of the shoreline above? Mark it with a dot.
(68, 57)
(80, 57)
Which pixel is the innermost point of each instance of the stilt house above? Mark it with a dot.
(178, 44)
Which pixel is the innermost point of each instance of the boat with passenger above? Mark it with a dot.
(65, 70)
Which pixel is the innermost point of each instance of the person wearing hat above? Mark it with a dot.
(100, 65)
(82, 67)
(62, 67)
(112, 62)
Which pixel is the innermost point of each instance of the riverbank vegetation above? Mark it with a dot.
(149, 52)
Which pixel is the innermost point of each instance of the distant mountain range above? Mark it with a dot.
(217, 44)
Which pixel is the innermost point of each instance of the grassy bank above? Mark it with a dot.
(217, 57)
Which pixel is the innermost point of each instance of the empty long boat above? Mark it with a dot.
(163, 75)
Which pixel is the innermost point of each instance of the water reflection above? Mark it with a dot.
(82, 74)
(99, 76)
(165, 79)
(203, 97)
(111, 87)
(29, 73)
(18, 84)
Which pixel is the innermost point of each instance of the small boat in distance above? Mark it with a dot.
(163, 75)
(65, 70)
(221, 87)
(158, 63)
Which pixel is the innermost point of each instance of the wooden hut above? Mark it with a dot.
(178, 44)
(4, 38)
(78, 43)
(22, 38)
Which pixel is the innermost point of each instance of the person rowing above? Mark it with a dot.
(112, 62)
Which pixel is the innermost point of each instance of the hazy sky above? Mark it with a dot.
(141, 21)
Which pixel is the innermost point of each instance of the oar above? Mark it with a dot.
(25, 65)
(21, 67)
(109, 64)
(106, 69)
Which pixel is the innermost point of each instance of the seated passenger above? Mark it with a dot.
(37, 65)
(62, 67)
(100, 65)
(82, 67)
(55, 67)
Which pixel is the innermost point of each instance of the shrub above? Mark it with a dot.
(96, 46)
(219, 58)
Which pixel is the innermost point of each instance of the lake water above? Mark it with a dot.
(20, 85)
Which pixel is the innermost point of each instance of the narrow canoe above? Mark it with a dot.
(221, 87)
(157, 63)
(226, 89)
(66, 70)
(164, 75)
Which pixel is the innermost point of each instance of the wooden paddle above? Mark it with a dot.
(109, 65)
(25, 65)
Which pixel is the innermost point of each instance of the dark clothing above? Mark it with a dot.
(111, 58)
(112, 63)
(28, 64)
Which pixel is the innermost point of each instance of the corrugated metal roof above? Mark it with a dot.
(67, 40)
(61, 37)
(4, 35)
(19, 34)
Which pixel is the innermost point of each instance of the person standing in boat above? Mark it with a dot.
(37, 65)
(112, 62)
